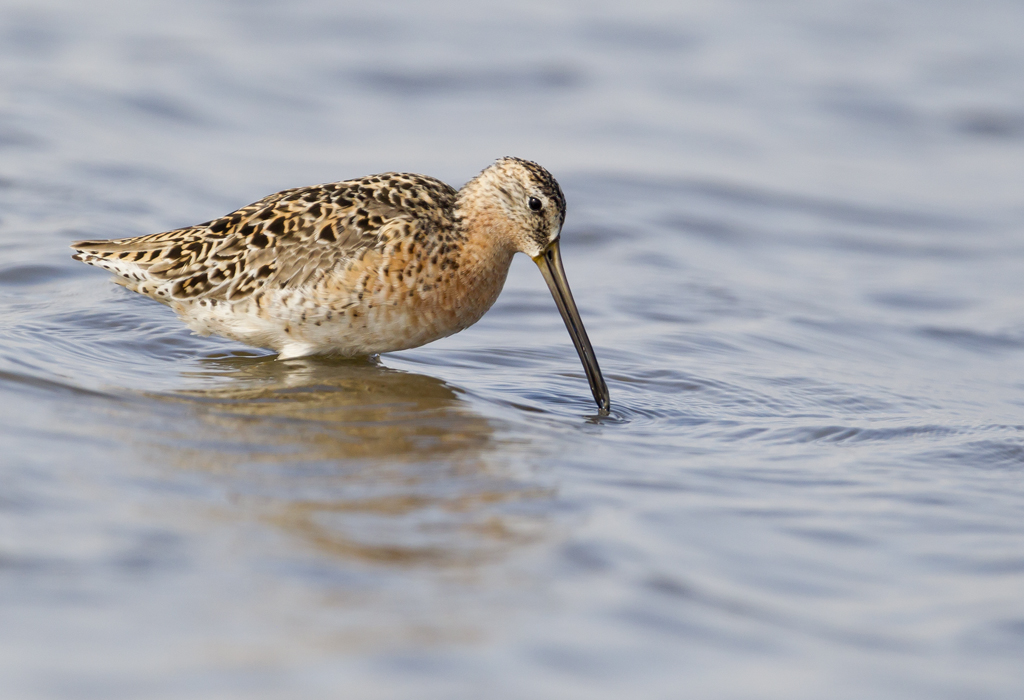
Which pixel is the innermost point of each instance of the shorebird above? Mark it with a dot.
(361, 267)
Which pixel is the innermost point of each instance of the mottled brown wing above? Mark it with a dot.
(288, 239)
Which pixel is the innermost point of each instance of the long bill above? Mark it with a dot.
(550, 264)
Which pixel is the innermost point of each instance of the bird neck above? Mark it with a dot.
(486, 248)
(483, 222)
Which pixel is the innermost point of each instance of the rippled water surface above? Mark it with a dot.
(795, 233)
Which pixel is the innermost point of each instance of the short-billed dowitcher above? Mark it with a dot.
(377, 264)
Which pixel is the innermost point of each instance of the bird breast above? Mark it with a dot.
(410, 293)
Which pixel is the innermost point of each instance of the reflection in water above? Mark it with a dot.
(359, 461)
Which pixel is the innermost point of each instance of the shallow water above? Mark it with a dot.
(795, 236)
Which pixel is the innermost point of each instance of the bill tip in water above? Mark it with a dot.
(550, 264)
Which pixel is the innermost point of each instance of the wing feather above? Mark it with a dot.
(286, 240)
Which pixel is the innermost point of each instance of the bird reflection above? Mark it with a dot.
(358, 460)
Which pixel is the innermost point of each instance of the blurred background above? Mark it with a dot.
(795, 232)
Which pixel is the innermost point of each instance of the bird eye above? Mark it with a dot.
(535, 204)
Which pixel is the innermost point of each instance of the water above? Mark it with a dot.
(795, 235)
